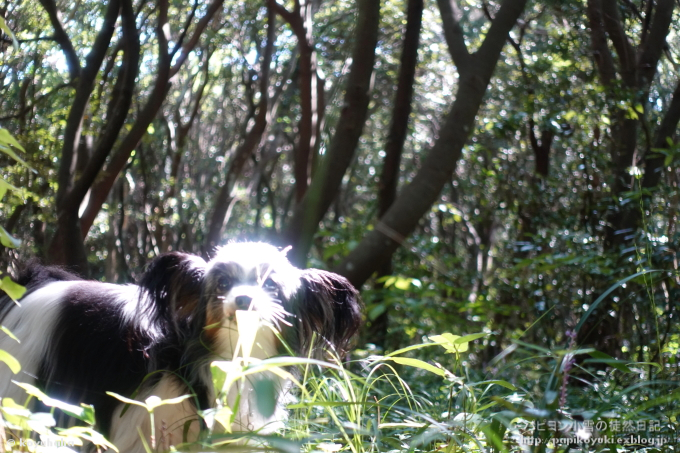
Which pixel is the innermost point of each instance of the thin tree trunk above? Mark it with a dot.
(438, 166)
(311, 106)
(72, 191)
(326, 183)
(636, 68)
(108, 176)
(251, 142)
(394, 145)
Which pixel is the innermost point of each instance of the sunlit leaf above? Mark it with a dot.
(415, 363)
(83, 412)
(10, 361)
(8, 32)
(225, 417)
(450, 342)
(7, 240)
(9, 334)
(12, 289)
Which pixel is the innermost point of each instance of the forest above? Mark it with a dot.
(498, 178)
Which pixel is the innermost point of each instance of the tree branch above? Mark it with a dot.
(601, 53)
(655, 43)
(200, 27)
(436, 170)
(300, 21)
(542, 149)
(122, 99)
(84, 89)
(38, 99)
(394, 144)
(100, 190)
(184, 128)
(624, 49)
(185, 30)
(667, 130)
(341, 149)
(289, 17)
(251, 141)
(506, 18)
(60, 36)
(453, 33)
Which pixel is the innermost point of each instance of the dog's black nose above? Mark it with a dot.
(243, 302)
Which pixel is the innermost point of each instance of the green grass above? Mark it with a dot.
(529, 399)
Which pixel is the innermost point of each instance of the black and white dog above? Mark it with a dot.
(80, 339)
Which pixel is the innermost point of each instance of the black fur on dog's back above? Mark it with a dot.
(33, 274)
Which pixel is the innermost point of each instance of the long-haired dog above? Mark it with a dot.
(81, 339)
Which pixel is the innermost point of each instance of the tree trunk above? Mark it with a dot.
(439, 164)
(394, 145)
(326, 182)
(72, 191)
(628, 82)
(120, 157)
(251, 142)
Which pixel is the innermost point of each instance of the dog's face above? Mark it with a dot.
(310, 308)
(249, 276)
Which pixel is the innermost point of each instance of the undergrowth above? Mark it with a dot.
(528, 399)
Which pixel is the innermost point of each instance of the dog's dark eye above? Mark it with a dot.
(270, 285)
(224, 283)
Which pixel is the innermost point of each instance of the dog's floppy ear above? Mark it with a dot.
(172, 282)
(329, 306)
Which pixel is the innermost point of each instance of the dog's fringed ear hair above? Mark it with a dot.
(172, 282)
(329, 306)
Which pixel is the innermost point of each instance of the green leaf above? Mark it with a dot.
(9, 333)
(450, 342)
(545, 351)
(7, 240)
(8, 32)
(4, 186)
(83, 412)
(654, 364)
(410, 348)
(41, 422)
(127, 400)
(265, 396)
(614, 363)
(403, 283)
(16, 416)
(7, 140)
(376, 311)
(609, 291)
(225, 416)
(471, 337)
(494, 435)
(500, 382)
(89, 434)
(11, 362)
(13, 290)
(415, 363)
(601, 357)
(153, 401)
(389, 281)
